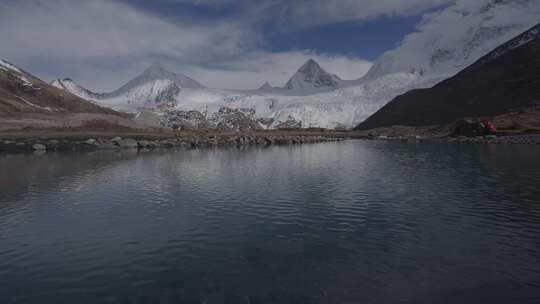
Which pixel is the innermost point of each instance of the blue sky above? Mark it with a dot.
(359, 38)
(222, 43)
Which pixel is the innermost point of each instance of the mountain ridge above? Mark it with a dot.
(71, 86)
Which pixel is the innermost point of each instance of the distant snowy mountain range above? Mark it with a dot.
(315, 98)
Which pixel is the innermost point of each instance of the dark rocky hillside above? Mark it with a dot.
(21, 92)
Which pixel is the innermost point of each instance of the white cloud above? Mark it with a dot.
(314, 12)
(102, 44)
(106, 28)
(449, 40)
(83, 37)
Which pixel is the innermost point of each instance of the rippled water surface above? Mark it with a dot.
(351, 222)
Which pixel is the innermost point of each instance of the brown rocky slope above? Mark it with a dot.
(28, 102)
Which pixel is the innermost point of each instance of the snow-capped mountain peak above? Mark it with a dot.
(157, 72)
(266, 86)
(312, 76)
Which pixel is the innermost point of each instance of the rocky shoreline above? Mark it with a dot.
(210, 140)
(188, 142)
(530, 139)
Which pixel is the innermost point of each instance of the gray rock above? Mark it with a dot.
(107, 146)
(39, 147)
(128, 143)
(143, 143)
(147, 144)
(90, 141)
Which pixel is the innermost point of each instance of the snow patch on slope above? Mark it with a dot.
(13, 70)
(34, 105)
(4, 65)
(75, 89)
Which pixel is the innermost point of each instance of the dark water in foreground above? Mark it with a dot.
(351, 222)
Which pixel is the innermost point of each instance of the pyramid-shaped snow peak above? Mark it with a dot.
(157, 72)
(312, 76)
(266, 86)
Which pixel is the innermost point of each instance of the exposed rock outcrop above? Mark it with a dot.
(224, 119)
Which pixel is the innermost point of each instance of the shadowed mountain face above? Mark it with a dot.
(21, 92)
(506, 79)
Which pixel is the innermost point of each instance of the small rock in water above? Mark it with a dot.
(39, 147)
(90, 141)
(40, 152)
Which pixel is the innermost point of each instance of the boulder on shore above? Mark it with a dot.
(128, 143)
(39, 147)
